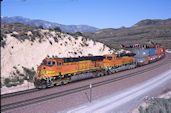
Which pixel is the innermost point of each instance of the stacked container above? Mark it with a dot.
(152, 52)
(141, 53)
(141, 56)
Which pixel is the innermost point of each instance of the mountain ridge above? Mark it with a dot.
(143, 32)
(47, 24)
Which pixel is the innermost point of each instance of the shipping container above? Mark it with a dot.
(151, 51)
(157, 51)
(146, 60)
(157, 57)
(141, 53)
(139, 59)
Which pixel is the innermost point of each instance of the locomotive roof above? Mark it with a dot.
(93, 58)
(76, 59)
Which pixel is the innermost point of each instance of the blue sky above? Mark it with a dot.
(97, 13)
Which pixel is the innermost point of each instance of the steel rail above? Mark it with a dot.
(18, 93)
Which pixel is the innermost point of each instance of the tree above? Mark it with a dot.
(41, 27)
(78, 34)
(57, 29)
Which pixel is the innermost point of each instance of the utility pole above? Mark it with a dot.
(90, 92)
(28, 80)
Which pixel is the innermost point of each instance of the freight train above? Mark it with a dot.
(59, 71)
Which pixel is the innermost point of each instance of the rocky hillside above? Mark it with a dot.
(24, 47)
(46, 24)
(143, 32)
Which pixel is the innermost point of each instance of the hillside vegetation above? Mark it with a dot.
(144, 32)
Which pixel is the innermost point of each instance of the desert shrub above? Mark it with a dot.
(32, 39)
(50, 29)
(15, 79)
(78, 34)
(55, 39)
(7, 81)
(21, 81)
(76, 38)
(59, 36)
(3, 43)
(86, 44)
(140, 109)
(36, 34)
(21, 74)
(21, 34)
(57, 29)
(6, 32)
(17, 71)
(157, 105)
(40, 40)
(14, 35)
(69, 33)
(82, 44)
(50, 42)
(14, 67)
(29, 72)
(69, 38)
(2, 36)
(41, 27)
(24, 28)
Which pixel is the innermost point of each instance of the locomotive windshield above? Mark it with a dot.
(44, 62)
(48, 63)
(109, 58)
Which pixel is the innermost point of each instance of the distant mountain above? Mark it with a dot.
(143, 32)
(154, 22)
(46, 24)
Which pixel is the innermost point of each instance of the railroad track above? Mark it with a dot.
(71, 91)
(19, 93)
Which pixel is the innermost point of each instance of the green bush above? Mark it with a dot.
(78, 34)
(41, 27)
(57, 29)
(29, 72)
(157, 105)
(7, 81)
(55, 39)
(22, 34)
(21, 81)
(21, 74)
(32, 39)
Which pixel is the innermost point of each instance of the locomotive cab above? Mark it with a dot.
(46, 72)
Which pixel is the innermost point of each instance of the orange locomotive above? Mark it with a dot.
(58, 71)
